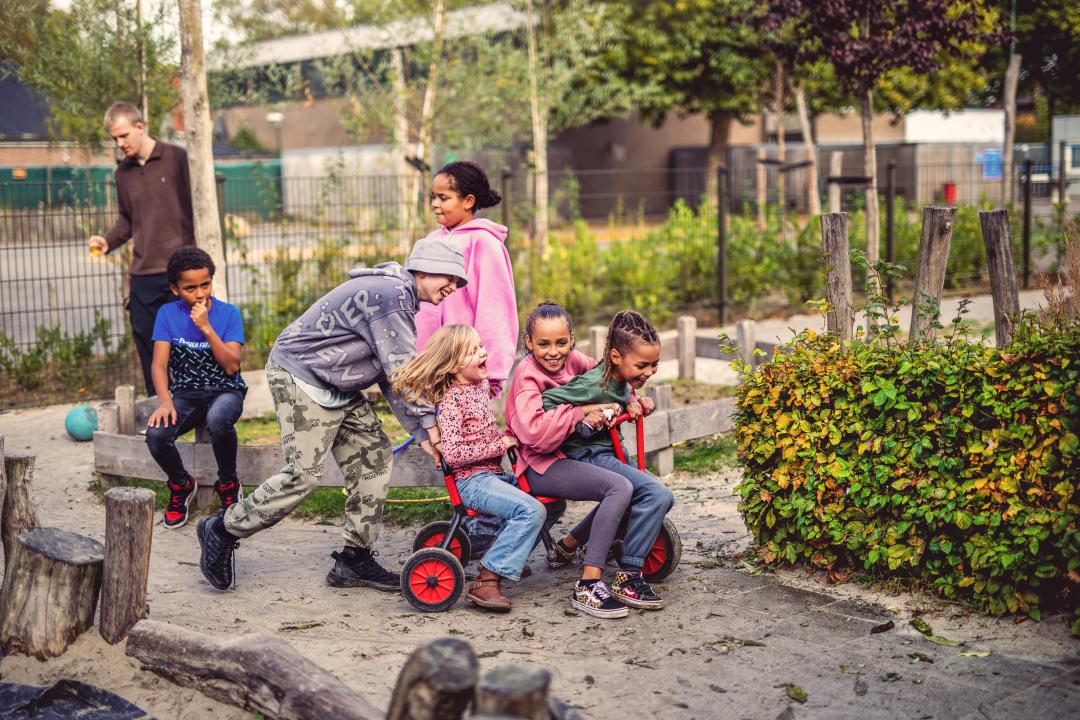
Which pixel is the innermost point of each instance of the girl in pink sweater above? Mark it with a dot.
(487, 303)
(551, 362)
(452, 371)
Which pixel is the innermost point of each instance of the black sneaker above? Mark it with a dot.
(559, 556)
(355, 569)
(216, 559)
(632, 589)
(180, 496)
(595, 599)
(229, 493)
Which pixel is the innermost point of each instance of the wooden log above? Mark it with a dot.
(129, 526)
(937, 229)
(840, 316)
(687, 346)
(255, 671)
(437, 681)
(125, 408)
(744, 340)
(663, 460)
(836, 169)
(18, 514)
(514, 690)
(597, 341)
(51, 592)
(997, 235)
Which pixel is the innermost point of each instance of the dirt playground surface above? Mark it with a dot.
(730, 643)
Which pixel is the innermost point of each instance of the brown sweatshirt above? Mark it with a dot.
(155, 208)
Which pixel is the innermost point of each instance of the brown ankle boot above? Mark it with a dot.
(486, 593)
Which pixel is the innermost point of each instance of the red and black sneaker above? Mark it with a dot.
(176, 512)
(229, 492)
(632, 589)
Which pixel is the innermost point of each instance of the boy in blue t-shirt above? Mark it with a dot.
(198, 342)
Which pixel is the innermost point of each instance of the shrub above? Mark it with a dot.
(955, 463)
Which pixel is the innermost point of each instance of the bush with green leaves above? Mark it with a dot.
(954, 463)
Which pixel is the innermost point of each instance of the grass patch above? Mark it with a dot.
(688, 392)
(326, 504)
(707, 454)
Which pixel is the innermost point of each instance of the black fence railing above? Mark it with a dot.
(618, 238)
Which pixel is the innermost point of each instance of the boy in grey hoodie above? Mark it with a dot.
(353, 337)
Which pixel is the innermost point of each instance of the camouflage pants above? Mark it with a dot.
(352, 433)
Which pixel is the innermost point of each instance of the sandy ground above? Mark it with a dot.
(691, 660)
(686, 661)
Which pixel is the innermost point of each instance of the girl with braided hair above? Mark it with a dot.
(631, 357)
(458, 191)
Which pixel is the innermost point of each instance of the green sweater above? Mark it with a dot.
(587, 389)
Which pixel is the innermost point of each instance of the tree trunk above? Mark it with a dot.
(1012, 78)
(425, 133)
(199, 133)
(866, 101)
(51, 592)
(407, 210)
(781, 151)
(18, 514)
(719, 133)
(813, 194)
(129, 525)
(538, 108)
(437, 681)
(255, 671)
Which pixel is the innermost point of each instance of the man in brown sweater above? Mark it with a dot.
(154, 194)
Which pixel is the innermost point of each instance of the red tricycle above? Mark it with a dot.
(433, 577)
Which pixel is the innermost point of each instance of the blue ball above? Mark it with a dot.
(81, 423)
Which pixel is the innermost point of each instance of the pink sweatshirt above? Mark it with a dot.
(541, 433)
(487, 303)
(470, 439)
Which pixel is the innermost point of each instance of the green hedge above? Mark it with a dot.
(953, 463)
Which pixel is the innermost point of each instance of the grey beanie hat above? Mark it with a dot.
(437, 257)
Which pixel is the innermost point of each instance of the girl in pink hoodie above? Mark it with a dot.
(487, 302)
(551, 362)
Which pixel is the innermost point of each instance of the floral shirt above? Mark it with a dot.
(471, 441)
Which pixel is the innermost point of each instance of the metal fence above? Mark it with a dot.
(615, 241)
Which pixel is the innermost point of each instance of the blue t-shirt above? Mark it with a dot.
(192, 365)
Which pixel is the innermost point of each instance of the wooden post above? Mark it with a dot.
(18, 514)
(840, 315)
(108, 415)
(3, 488)
(744, 339)
(125, 406)
(687, 347)
(597, 341)
(129, 526)
(662, 460)
(437, 681)
(937, 229)
(836, 168)
(255, 671)
(204, 494)
(997, 236)
(515, 691)
(51, 592)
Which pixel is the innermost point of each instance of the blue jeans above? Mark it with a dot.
(221, 409)
(497, 494)
(650, 502)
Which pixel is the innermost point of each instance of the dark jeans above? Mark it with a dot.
(221, 409)
(148, 294)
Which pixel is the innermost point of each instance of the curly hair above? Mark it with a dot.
(467, 179)
(186, 258)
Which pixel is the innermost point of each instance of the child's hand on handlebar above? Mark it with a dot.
(596, 420)
(509, 441)
(640, 407)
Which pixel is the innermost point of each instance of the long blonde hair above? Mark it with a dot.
(428, 375)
